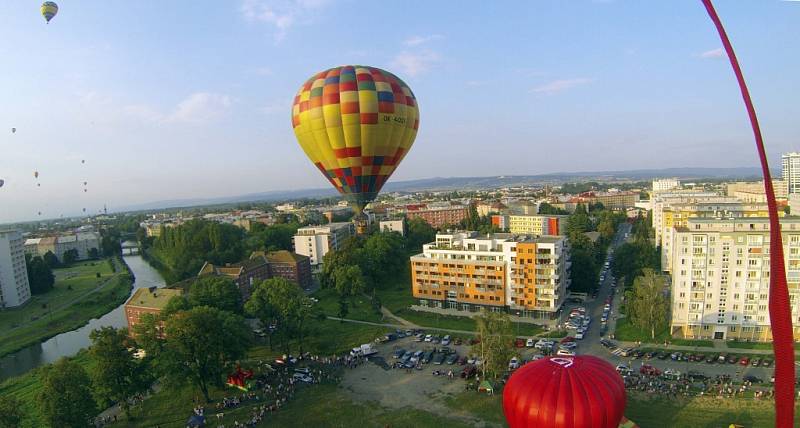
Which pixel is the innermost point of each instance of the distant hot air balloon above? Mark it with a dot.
(35, 174)
(13, 130)
(2, 182)
(40, 213)
(85, 190)
(84, 210)
(562, 392)
(83, 160)
(84, 183)
(38, 184)
(356, 124)
(49, 10)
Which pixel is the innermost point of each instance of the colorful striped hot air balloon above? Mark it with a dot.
(355, 123)
(49, 10)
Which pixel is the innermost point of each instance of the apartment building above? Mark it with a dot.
(82, 243)
(539, 224)
(244, 274)
(502, 272)
(671, 212)
(315, 241)
(610, 200)
(287, 265)
(14, 287)
(720, 286)
(790, 162)
(440, 216)
(398, 226)
(664, 184)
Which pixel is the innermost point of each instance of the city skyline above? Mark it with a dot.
(204, 111)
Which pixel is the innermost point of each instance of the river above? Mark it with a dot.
(69, 343)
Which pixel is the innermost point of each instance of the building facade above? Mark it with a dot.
(610, 200)
(82, 243)
(287, 265)
(315, 241)
(720, 286)
(501, 272)
(539, 224)
(14, 287)
(244, 274)
(438, 217)
(665, 184)
(147, 301)
(398, 226)
(790, 163)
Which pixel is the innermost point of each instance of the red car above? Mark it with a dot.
(744, 361)
(649, 370)
(568, 339)
(519, 343)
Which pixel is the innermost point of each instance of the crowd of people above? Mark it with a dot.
(721, 386)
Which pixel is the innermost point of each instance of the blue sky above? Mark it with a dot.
(179, 99)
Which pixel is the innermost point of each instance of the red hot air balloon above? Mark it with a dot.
(565, 392)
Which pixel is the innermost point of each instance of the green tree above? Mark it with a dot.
(149, 334)
(70, 256)
(51, 260)
(545, 208)
(66, 399)
(384, 253)
(11, 414)
(496, 345)
(583, 272)
(281, 303)
(419, 233)
(116, 375)
(343, 308)
(40, 276)
(349, 280)
(579, 221)
(217, 292)
(647, 304)
(200, 345)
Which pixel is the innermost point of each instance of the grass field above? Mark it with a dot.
(57, 311)
(358, 307)
(27, 387)
(697, 412)
(626, 331)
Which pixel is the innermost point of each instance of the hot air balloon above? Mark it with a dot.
(83, 160)
(562, 392)
(355, 123)
(84, 183)
(35, 174)
(13, 130)
(2, 182)
(49, 10)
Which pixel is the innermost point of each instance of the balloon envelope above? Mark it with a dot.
(565, 392)
(2, 182)
(356, 124)
(49, 10)
(13, 130)
(35, 174)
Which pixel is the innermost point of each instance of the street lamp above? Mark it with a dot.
(517, 323)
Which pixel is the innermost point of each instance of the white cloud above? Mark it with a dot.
(200, 107)
(419, 40)
(713, 53)
(414, 64)
(562, 85)
(281, 14)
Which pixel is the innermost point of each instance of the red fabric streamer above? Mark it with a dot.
(779, 311)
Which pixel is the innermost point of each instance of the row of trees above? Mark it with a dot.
(588, 256)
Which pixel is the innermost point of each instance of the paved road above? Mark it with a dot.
(591, 342)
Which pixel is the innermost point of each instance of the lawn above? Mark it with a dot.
(27, 387)
(628, 332)
(358, 307)
(47, 315)
(329, 337)
(697, 412)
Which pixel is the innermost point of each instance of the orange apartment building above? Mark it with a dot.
(521, 274)
(439, 216)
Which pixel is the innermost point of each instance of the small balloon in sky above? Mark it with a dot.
(13, 130)
(2, 182)
(35, 174)
(49, 10)
(83, 160)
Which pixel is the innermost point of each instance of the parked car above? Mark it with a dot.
(398, 353)
(621, 368)
(649, 370)
(457, 341)
(745, 361)
(638, 353)
(722, 358)
(733, 359)
(766, 362)
(579, 335)
(419, 337)
(662, 355)
(438, 358)
(451, 359)
(530, 343)
(446, 340)
(756, 362)
(675, 356)
(711, 358)
(461, 361)
(565, 353)
(568, 345)
(428, 337)
(568, 339)
(544, 344)
(672, 374)
(752, 378)
(303, 377)
(513, 364)
(519, 343)
(695, 375)
(435, 339)
(426, 357)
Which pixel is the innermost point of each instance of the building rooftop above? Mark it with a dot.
(154, 298)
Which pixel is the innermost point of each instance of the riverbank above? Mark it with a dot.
(82, 292)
